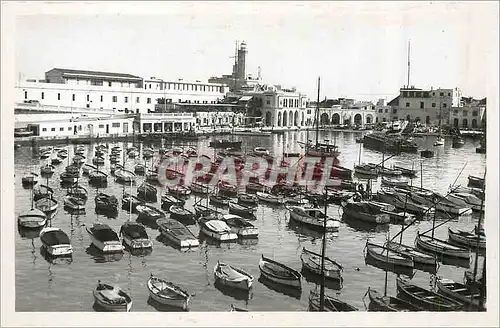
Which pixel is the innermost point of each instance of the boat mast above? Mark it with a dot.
(404, 211)
(317, 112)
(387, 260)
(421, 177)
(322, 289)
(478, 231)
(482, 290)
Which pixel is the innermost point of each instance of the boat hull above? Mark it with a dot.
(220, 236)
(106, 247)
(439, 247)
(139, 243)
(331, 225)
(295, 282)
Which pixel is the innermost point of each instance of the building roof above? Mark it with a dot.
(394, 102)
(94, 73)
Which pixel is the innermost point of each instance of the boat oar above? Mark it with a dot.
(364, 296)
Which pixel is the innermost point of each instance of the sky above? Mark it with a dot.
(359, 49)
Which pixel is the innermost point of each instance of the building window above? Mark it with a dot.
(58, 96)
(137, 99)
(474, 113)
(150, 85)
(101, 126)
(445, 105)
(70, 128)
(268, 102)
(421, 104)
(109, 84)
(394, 110)
(73, 97)
(43, 95)
(52, 129)
(44, 129)
(308, 112)
(148, 100)
(466, 113)
(88, 97)
(433, 105)
(407, 104)
(25, 94)
(126, 99)
(61, 129)
(426, 94)
(88, 106)
(115, 98)
(427, 120)
(380, 110)
(449, 94)
(441, 94)
(383, 119)
(102, 98)
(115, 125)
(386, 110)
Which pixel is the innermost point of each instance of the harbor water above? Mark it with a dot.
(64, 285)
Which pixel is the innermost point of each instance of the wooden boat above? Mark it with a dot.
(87, 168)
(389, 171)
(62, 154)
(45, 155)
(439, 141)
(466, 238)
(78, 191)
(402, 202)
(112, 298)
(180, 213)
(113, 159)
(427, 153)
(135, 236)
(255, 187)
(32, 219)
(365, 211)
(47, 205)
(124, 175)
(415, 254)
(239, 209)
(366, 169)
(247, 199)
(432, 199)
(202, 210)
(476, 182)
(227, 189)
(260, 151)
(440, 247)
(466, 200)
(405, 171)
(140, 169)
(314, 218)
(47, 169)
(386, 255)
(218, 230)
(147, 192)
(332, 304)
(312, 261)
(68, 177)
(74, 203)
(167, 293)
(279, 273)
(149, 212)
(105, 238)
(98, 160)
(240, 226)
(199, 188)
(78, 159)
(459, 292)
(457, 142)
(177, 233)
(179, 191)
(56, 160)
(232, 277)
(106, 203)
(168, 200)
(56, 241)
(28, 181)
(269, 198)
(426, 299)
(379, 303)
(98, 177)
(72, 169)
(42, 191)
(296, 200)
(394, 183)
(223, 144)
(130, 202)
(219, 200)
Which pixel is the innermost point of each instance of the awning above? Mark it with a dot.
(245, 98)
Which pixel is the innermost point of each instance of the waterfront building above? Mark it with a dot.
(116, 92)
(471, 114)
(335, 112)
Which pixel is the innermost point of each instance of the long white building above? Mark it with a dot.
(116, 92)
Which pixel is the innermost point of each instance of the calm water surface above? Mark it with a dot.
(67, 286)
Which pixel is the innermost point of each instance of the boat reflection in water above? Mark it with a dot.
(100, 257)
(285, 290)
(237, 294)
(109, 214)
(139, 252)
(455, 261)
(359, 225)
(407, 271)
(316, 279)
(248, 241)
(214, 242)
(62, 259)
(164, 308)
(167, 242)
(29, 233)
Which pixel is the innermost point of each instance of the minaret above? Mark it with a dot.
(240, 69)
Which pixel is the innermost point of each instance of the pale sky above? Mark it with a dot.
(358, 49)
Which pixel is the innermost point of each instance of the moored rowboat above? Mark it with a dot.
(279, 273)
(167, 293)
(112, 298)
